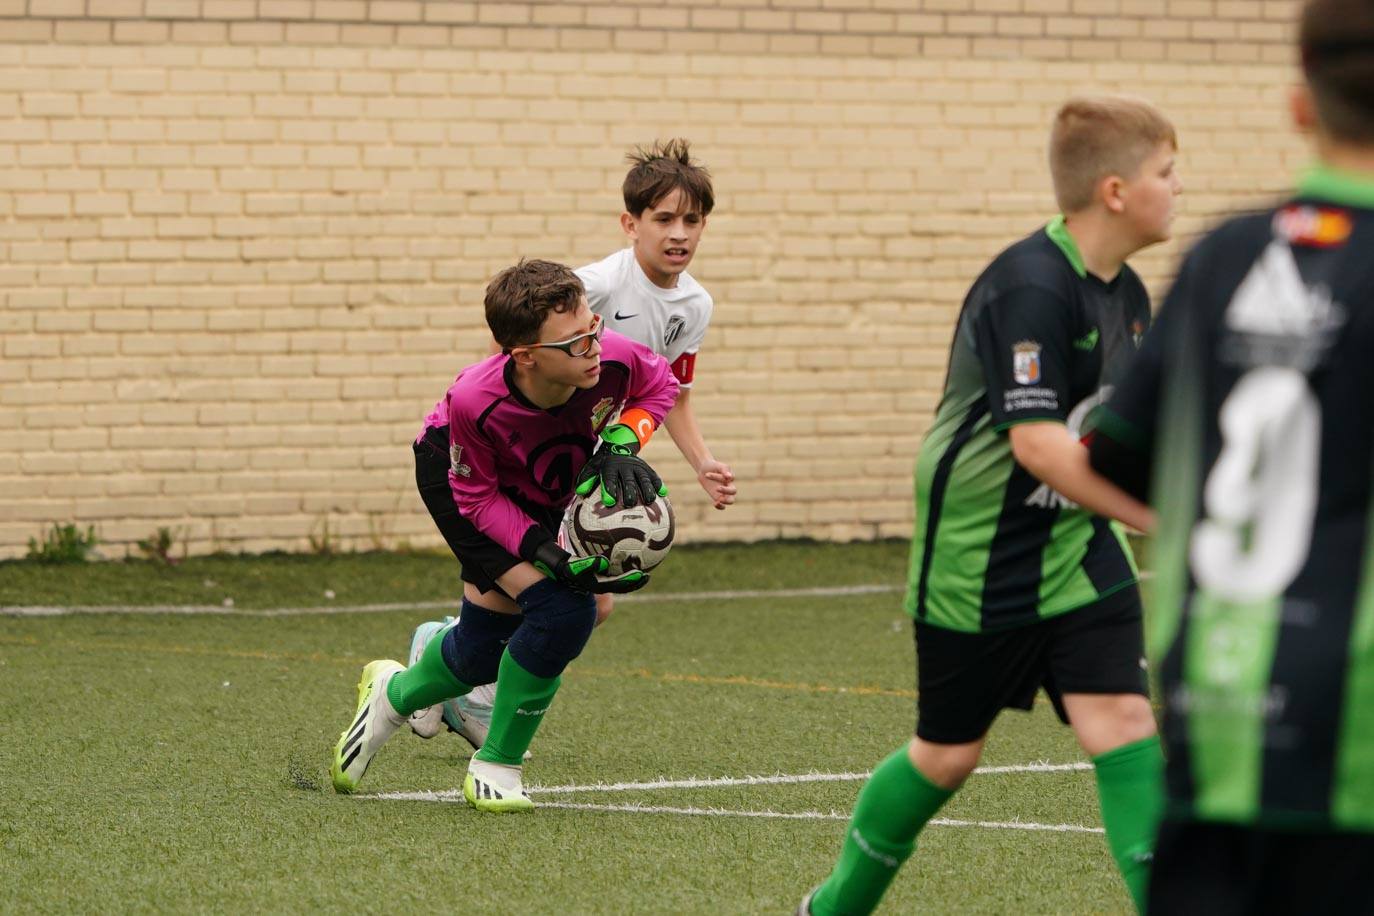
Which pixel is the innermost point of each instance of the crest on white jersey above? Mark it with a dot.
(674, 330)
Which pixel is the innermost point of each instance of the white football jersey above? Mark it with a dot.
(671, 322)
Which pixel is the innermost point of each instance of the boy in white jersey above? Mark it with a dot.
(645, 293)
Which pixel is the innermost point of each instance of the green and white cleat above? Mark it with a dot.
(429, 721)
(495, 787)
(375, 721)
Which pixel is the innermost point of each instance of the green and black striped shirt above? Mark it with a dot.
(1254, 396)
(1039, 338)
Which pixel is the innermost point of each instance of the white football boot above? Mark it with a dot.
(495, 787)
(470, 715)
(428, 721)
(375, 721)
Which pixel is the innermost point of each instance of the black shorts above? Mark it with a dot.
(483, 560)
(964, 680)
(1229, 869)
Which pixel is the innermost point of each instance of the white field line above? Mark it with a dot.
(722, 781)
(216, 609)
(816, 816)
(39, 610)
(456, 797)
(782, 779)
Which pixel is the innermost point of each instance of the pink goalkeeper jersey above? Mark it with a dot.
(506, 453)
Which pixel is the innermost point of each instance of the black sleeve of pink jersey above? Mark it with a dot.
(1024, 340)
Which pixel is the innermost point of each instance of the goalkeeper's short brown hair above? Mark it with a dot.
(521, 297)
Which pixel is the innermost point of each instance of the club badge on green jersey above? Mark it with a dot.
(1025, 362)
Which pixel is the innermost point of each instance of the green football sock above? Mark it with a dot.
(521, 700)
(428, 681)
(894, 805)
(1130, 785)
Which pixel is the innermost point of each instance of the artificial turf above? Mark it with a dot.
(178, 763)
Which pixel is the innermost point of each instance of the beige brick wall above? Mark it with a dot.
(243, 244)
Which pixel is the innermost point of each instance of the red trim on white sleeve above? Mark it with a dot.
(684, 368)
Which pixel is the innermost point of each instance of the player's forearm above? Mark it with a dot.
(492, 513)
(681, 423)
(1052, 455)
(1076, 480)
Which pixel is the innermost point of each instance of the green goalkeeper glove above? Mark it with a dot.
(626, 582)
(585, 574)
(575, 572)
(624, 477)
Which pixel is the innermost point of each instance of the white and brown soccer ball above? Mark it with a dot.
(633, 538)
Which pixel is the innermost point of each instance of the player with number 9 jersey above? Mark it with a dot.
(1252, 395)
(1248, 419)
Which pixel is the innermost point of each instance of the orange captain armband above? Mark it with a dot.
(640, 423)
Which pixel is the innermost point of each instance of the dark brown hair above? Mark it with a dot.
(1096, 137)
(1336, 38)
(662, 168)
(519, 298)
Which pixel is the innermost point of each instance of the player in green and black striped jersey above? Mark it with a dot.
(1039, 339)
(1254, 396)
(1014, 584)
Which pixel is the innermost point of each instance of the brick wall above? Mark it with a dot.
(243, 244)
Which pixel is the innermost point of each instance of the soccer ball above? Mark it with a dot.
(633, 538)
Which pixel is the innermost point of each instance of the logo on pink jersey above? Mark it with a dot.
(455, 461)
(601, 411)
(554, 464)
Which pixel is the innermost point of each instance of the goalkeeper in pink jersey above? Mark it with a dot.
(644, 292)
(497, 463)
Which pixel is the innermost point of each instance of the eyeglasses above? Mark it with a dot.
(580, 345)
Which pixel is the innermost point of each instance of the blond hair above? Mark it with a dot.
(1093, 138)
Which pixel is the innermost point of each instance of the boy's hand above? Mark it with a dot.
(575, 572)
(718, 481)
(624, 477)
